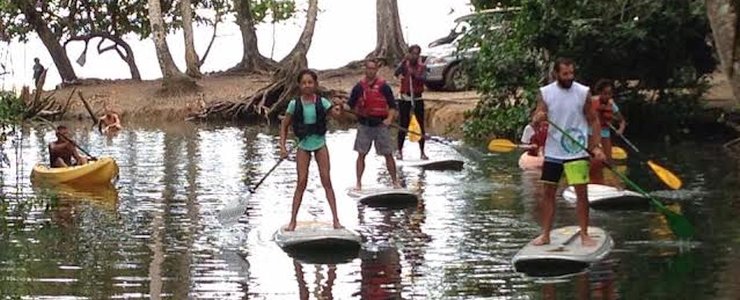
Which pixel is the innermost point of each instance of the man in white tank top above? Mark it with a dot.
(566, 104)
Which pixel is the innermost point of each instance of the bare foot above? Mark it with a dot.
(399, 155)
(357, 187)
(587, 241)
(424, 157)
(291, 226)
(397, 185)
(337, 225)
(541, 240)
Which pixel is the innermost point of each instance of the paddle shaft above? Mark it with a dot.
(70, 140)
(611, 168)
(253, 189)
(78, 147)
(624, 139)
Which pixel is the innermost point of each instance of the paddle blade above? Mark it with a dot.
(618, 153)
(670, 179)
(414, 127)
(678, 223)
(501, 145)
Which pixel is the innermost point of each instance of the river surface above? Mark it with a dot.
(172, 225)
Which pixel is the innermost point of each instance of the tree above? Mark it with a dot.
(172, 78)
(34, 19)
(655, 51)
(191, 58)
(390, 45)
(248, 13)
(724, 18)
(269, 101)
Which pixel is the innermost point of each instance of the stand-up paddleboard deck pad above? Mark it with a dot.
(564, 254)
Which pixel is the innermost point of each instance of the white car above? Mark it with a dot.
(443, 60)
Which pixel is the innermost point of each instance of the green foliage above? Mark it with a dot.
(11, 109)
(647, 47)
(277, 10)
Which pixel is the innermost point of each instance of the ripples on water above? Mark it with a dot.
(180, 223)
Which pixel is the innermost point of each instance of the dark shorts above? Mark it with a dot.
(576, 170)
(368, 135)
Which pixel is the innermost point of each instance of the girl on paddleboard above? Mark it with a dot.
(307, 116)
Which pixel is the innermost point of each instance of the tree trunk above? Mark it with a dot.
(191, 57)
(172, 78)
(57, 52)
(724, 18)
(390, 45)
(252, 60)
(271, 100)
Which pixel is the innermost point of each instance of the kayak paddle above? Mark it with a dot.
(504, 145)
(670, 179)
(677, 222)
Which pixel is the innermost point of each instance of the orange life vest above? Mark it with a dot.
(417, 83)
(373, 103)
(604, 110)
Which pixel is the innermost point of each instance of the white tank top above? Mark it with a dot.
(565, 109)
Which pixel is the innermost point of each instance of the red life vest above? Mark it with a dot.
(416, 71)
(373, 103)
(604, 110)
(538, 138)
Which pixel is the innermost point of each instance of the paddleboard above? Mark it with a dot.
(609, 197)
(315, 235)
(433, 164)
(384, 196)
(564, 254)
(528, 162)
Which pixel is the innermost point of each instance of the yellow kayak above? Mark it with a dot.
(98, 172)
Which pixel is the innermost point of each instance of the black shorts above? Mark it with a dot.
(576, 170)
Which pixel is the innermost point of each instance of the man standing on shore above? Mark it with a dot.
(566, 104)
(412, 73)
(38, 69)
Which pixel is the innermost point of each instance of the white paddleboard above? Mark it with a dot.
(564, 254)
(384, 196)
(433, 164)
(604, 196)
(317, 235)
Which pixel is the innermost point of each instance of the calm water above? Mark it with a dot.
(172, 226)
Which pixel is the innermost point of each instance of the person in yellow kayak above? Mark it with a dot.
(307, 116)
(607, 111)
(567, 105)
(62, 151)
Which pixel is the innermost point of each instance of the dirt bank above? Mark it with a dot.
(140, 102)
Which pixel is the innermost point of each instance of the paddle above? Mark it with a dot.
(253, 189)
(618, 153)
(504, 145)
(678, 223)
(670, 179)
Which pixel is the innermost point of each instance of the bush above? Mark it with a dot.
(655, 46)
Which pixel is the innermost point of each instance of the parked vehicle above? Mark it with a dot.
(443, 60)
